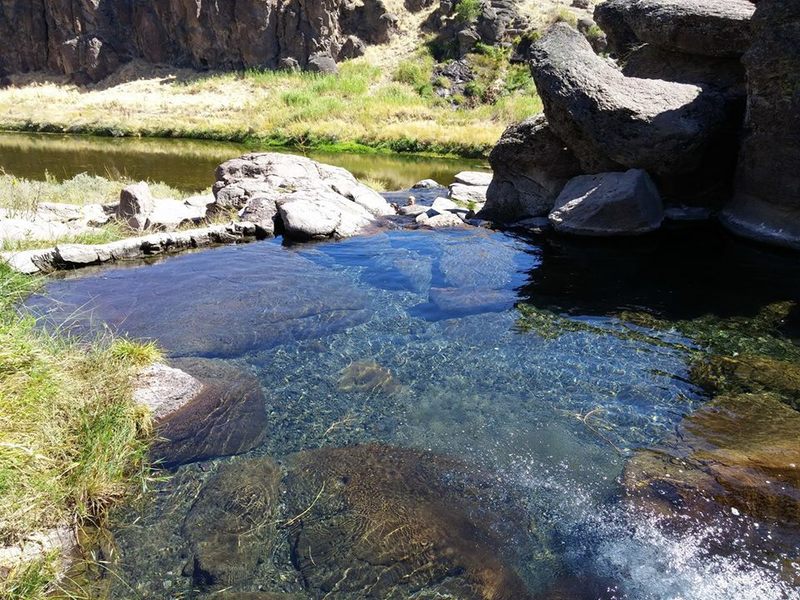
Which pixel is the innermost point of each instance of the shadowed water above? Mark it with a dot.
(423, 340)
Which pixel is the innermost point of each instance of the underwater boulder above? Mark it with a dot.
(382, 522)
(226, 417)
(232, 523)
(737, 454)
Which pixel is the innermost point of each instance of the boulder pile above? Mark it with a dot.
(671, 110)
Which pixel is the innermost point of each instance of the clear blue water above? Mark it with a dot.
(554, 415)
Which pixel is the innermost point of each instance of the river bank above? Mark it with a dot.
(73, 442)
(359, 109)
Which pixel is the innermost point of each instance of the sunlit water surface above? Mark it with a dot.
(552, 415)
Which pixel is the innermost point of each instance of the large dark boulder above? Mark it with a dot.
(766, 204)
(724, 74)
(531, 165)
(612, 122)
(704, 27)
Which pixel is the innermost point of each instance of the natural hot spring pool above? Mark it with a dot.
(436, 415)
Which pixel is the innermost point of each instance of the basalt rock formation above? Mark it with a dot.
(674, 105)
(88, 39)
(766, 203)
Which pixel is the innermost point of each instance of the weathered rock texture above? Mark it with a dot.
(704, 27)
(766, 203)
(89, 38)
(297, 196)
(611, 121)
(531, 166)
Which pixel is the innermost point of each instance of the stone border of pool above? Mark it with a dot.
(73, 256)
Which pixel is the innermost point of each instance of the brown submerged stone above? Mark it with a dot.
(381, 522)
(368, 376)
(227, 417)
(232, 523)
(740, 451)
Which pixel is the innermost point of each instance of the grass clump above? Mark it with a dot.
(72, 441)
(467, 11)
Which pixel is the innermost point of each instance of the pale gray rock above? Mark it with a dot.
(163, 390)
(170, 214)
(611, 121)
(332, 203)
(608, 204)
(444, 220)
(322, 215)
(477, 178)
(441, 205)
(466, 194)
(37, 545)
(426, 184)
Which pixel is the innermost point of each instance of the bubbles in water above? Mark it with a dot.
(637, 553)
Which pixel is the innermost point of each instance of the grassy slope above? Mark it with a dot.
(72, 442)
(360, 106)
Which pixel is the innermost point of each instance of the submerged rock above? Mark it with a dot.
(232, 525)
(227, 416)
(611, 121)
(304, 199)
(608, 204)
(531, 166)
(367, 377)
(739, 451)
(766, 203)
(389, 523)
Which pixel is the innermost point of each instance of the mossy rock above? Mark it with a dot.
(728, 374)
(389, 523)
(738, 454)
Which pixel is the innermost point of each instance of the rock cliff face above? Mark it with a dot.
(766, 203)
(89, 38)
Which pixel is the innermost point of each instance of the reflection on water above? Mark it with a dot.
(190, 164)
(406, 400)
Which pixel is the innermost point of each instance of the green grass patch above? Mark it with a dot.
(72, 442)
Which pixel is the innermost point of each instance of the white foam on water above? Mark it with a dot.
(639, 558)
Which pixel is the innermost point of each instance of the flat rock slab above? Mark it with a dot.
(75, 256)
(608, 204)
(475, 178)
(227, 416)
(703, 27)
(611, 121)
(223, 302)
